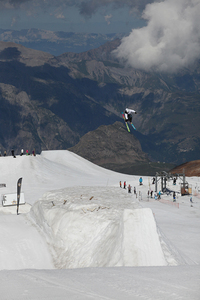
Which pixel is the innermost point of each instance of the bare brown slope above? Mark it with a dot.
(190, 169)
(110, 145)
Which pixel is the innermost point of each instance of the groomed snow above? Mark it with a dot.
(77, 218)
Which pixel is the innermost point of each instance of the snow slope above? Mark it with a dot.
(52, 170)
(21, 245)
(83, 219)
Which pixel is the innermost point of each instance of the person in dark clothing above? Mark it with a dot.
(174, 196)
(13, 153)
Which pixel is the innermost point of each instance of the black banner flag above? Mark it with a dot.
(19, 184)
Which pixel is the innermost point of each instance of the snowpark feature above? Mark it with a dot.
(83, 219)
(91, 229)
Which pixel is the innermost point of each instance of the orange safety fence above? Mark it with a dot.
(169, 202)
(196, 194)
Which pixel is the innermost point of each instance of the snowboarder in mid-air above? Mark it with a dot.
(127, 115)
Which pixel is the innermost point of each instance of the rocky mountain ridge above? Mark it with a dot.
(72, 94)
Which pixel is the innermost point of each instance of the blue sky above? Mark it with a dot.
(106, 16)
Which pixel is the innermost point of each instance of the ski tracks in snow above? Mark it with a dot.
(101, 283)
(21, 245)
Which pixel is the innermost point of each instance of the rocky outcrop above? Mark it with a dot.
(110, 145)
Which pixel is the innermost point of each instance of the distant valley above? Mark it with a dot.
(56, 42)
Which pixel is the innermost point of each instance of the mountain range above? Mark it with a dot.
(50, 102)
(57, 42)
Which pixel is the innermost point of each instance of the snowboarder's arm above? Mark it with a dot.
(133, 111)
(130, 111)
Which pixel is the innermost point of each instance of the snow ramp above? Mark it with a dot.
(97, 232)
(141, 242)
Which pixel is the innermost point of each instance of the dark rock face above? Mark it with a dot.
(24, 124)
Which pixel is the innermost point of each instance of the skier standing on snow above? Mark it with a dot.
(174, 196)
(128, 114)
(13, 153)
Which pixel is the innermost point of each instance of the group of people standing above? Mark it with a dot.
(129, 187)
(125, 185)
(27, 152)
(156, 196)
(21, 153)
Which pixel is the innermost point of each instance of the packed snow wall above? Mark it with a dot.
(89, 227)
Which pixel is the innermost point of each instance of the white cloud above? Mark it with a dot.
(170, 41)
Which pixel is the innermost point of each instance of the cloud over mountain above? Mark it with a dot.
(170, 41)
